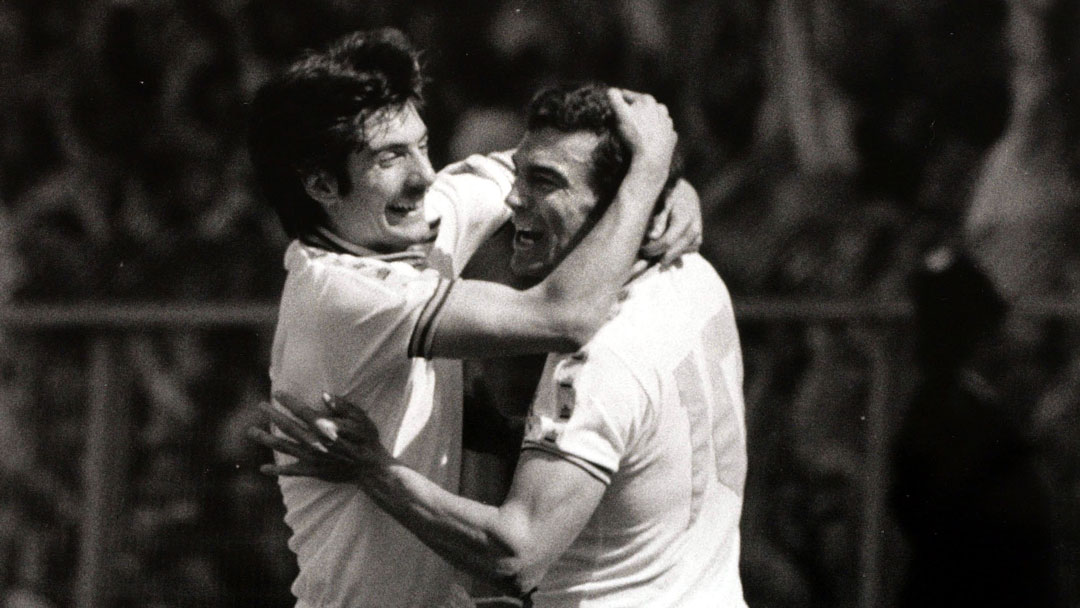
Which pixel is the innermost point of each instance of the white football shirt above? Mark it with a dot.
(359, 326)
(653, 408)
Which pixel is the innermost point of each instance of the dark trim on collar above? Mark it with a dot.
(323, 238)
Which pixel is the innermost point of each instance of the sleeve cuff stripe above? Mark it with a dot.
(600, 473)
(424, 331)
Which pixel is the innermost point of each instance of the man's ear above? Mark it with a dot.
(322, 187)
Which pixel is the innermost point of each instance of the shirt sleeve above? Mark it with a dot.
(372, 318)
(471, 197)
(588, 414)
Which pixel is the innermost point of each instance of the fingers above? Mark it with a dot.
(646, 126)
(660, 221)
(629, 97)
(297, 408)
(684, 226)
(660, 234)
(619, 100)
(336, 405)
(280, 444)
(298, 469)
(343, 408)
(678, 240)
(327, 428)
(291, 426)
(685, 242)
(354, 432)
(674, 241)
(628, 105)
(625, 118)
(344, 440)
(341, 435)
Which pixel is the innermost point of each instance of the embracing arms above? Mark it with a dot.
(563, 311)
(511, 545)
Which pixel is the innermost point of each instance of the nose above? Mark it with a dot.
(514, 200)
(423, 173)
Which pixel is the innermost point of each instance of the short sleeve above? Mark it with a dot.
(470, 195)
(372, 318)
(587, 412)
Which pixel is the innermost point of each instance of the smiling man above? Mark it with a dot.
(628, 490)
(372, 307)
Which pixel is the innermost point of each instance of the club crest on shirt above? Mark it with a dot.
(548, 426)
(566, 372)
(541, 429)
(364, 268)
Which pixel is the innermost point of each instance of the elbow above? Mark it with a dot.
(518, 567)
(577, 324)
(517, 576)
(570, 322)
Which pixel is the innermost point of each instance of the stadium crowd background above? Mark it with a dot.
(834, 142)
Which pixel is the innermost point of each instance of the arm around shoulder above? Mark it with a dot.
(563, 312)
(483, 319)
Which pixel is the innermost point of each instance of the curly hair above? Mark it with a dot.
(311, 116)
(586, 107)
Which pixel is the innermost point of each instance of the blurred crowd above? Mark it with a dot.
(834, 143)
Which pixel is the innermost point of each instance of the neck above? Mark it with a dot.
(324, 238)
(640, 267)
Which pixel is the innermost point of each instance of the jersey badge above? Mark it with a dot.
(541, 429)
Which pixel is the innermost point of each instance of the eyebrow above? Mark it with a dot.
(546, 171)
(396, 145)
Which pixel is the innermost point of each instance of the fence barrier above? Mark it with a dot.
(106, 321)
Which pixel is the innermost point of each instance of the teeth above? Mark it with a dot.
(526, 237)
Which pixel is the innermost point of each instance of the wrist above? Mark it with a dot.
(649, 167)
(645, 179)
(375, 471)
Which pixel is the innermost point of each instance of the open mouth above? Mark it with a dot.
(404, 209)
(524, 239)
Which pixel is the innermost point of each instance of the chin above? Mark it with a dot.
(415, 235)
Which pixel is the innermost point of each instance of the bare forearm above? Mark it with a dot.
(591, 274)
(561, 313)
(601, 263)
(463, 532)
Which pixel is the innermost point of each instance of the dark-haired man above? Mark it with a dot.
(628, 490)
(372, 308)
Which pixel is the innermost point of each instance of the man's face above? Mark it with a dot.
(384, 209)
(552, 199)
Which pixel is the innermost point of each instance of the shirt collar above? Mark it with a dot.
(323, 238)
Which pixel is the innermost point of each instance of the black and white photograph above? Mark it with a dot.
(540, 304)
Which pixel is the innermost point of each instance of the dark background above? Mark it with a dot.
(834, 144)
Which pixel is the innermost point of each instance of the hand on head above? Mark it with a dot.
(646, 126)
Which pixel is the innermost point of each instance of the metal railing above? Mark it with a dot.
(106, 323)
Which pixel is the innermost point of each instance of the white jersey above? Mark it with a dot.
(653, 408)
(359, 326)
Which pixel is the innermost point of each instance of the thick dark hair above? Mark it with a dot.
(311, 116)
(586, 107)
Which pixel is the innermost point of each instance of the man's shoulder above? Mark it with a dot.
(476, 177)
(496, 167)
(698, 274)
(664, 309)
(341, 280)
(691, 287)
(301, 258)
